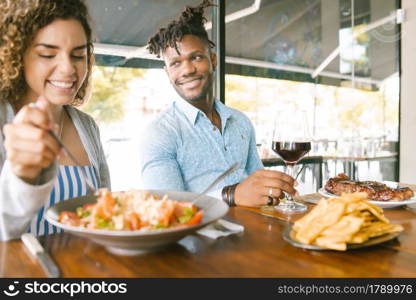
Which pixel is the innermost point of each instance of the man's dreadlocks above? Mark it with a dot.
(190, 22)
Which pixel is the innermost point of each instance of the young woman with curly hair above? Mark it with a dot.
(45, 64)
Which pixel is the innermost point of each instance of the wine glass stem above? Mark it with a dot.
(291, 172)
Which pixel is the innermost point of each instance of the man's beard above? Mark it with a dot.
(206, 89)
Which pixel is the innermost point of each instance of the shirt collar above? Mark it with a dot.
(191, 112)
(223, 111)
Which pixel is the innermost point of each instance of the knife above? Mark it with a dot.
(216, 181)
(36, 249)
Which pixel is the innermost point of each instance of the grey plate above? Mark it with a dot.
(368, 243)
(135, 242)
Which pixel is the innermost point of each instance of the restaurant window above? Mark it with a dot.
(342, 68)
(277, 54)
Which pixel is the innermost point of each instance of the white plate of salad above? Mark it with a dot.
(138, 221)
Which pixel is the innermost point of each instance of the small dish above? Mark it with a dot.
(371, 242)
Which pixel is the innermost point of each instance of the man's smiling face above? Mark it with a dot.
(191, 70)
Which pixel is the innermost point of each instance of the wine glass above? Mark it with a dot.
(291, 141)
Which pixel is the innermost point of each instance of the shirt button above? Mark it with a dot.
(225, 148)
(214, 128)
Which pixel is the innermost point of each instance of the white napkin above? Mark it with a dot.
(220, 228)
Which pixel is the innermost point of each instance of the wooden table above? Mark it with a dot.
(258, 252)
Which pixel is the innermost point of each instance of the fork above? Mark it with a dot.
(69, 154)
(74, 160)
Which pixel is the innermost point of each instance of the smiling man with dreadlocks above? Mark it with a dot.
(198, 137)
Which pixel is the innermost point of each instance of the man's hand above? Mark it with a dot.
(254, 190)
(29, 146)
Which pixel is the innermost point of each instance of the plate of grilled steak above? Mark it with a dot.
(383, 194)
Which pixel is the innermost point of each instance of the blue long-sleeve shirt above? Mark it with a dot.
(182, 150)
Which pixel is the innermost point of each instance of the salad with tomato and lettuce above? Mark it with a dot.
(133, 210)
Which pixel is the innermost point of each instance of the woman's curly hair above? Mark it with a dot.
(191, 21)
(20, 21)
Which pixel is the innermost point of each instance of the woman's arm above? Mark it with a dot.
(27, 173)
(20, 201)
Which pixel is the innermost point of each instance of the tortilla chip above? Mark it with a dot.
(317, 211)
(335, 222)
(375, 230)
(310, 228)
(344, 229)
(327, 242)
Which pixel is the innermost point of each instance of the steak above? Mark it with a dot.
(375, 190)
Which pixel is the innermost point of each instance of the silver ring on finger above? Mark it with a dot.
(270, 199)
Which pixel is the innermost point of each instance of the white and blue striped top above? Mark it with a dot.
(70, 183)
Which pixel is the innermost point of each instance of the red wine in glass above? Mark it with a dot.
(291, 141)
(291, 152)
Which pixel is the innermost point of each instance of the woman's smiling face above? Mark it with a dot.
(56, 62)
